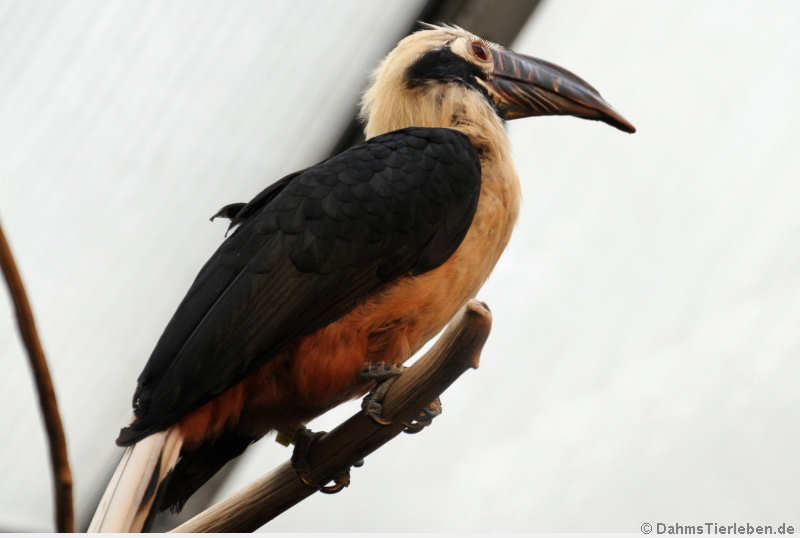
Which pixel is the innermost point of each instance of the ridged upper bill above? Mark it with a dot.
(527, 86)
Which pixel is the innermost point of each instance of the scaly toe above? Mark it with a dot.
(372, 404)
(424, 418)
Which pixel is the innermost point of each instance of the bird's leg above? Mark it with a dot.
(372, 404)
(303, 440)
(380, 371)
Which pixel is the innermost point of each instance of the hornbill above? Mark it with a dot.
(345, 268)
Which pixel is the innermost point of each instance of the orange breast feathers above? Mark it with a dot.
(317, 372)
(322, 369)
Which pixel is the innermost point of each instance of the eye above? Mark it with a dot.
(480, 50)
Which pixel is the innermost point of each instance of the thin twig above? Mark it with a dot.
(62, 476)
(457, 350)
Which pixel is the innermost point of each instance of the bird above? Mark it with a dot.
(342, 269)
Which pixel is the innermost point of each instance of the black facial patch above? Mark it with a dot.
(444, 65)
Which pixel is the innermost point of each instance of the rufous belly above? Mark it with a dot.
(322, 369)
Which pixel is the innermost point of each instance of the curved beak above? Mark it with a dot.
(524, 86)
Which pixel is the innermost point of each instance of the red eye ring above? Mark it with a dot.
(480, 51)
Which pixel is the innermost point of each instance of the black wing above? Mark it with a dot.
(308, 249)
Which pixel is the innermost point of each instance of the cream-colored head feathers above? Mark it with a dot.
(390, 104)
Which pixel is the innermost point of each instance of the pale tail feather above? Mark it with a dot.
(121, 509)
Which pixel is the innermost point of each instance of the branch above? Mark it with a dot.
(62, 476)
(457, 350)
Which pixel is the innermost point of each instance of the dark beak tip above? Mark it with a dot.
(615, 119)
(626, 126)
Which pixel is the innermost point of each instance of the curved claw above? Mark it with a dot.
(424, 418)
(340, 482)
(414, 426)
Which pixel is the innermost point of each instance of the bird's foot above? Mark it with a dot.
(372, 404)
(384, 373)
(303, 440)
(380, 371)
(424, 418)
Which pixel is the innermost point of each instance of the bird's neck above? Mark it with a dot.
(451, 106)
(456, 107)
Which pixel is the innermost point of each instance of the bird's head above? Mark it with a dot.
(444, 76)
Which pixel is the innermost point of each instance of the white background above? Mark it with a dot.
(643, 362)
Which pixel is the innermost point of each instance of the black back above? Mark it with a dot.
(308, 249)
